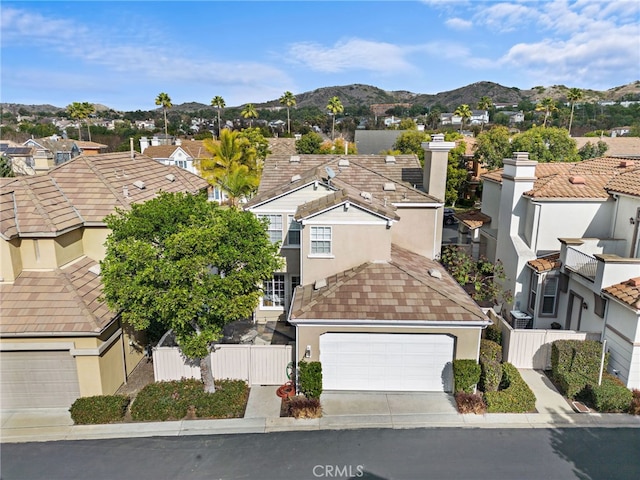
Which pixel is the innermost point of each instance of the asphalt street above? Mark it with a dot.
(492, 454)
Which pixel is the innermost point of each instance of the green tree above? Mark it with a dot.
(288, 100)
(484, 103)
(546, 145)
(5, 167)
(89, 109)
(589, 150)
(250, 112)
(492, 147)
(189, 266)
(456, 173)
(464, 112)
(309, 143)
(255, 140)
(78, 111)
(334, 107)
(548, 106)
(574, 95)
(218, 103)
(411, 142)
(165, 102)
(408, 124)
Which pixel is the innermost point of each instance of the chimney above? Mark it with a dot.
(133, 155)
(436, 154)
(144, 143)
(518, 177)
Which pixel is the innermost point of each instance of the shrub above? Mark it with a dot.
(493, 333)
(634, 408)
(571, 384)
(466, 374)
(173, 400)
(576, 364)
(490, 351)
(470, 403)
(99, 409)
(491, 376)
(610, 396)
(310, 379)
(515, 396)
(303, 407)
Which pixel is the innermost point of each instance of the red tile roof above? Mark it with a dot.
(545, 264)
(473, 218)
(627, 292)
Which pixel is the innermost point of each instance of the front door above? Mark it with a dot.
(574, 312)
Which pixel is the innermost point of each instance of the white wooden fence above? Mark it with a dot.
(256, 364)
(531, 348)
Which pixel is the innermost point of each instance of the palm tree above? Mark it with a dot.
(289, 101)
(464, 112)
(547, 105)
(218, 103)
(78, 111)
(238, 182)
(250, 113)
(573, 96)
(484, 103)
(165, 101)
(334, 106)
(89, 109)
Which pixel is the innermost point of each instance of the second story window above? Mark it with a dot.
(320, 240)
(275, 227)
(293, 234)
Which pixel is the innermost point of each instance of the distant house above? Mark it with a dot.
(21, 157)
(617, 146)
(51, 152)
(91, 148)
(514, 117)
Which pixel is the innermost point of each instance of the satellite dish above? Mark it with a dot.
(330, 172)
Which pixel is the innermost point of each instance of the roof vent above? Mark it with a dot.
(366, 195)
(294, 159)
(389, 187)
(434, 273)
(125, 191)
(390, 159)
(343, 162)
(95, 269)
(320, 284)
(295, 178)
(171, 177)
(139, 184)
(577, 180)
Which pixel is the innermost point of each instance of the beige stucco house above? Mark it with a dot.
(360, 235)
(58, 341)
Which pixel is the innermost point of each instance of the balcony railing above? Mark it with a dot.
(581, 263)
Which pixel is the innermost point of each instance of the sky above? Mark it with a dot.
(122, 54)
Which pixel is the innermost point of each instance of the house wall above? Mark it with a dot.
(627, 208)
(419, 230)
(352, 245)
(467, 343)
(491, 201)
(10, 260)
(93, 239)
(622, 334)
(68, 247)
(38, 253)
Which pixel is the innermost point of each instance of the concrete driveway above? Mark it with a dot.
(336, 403)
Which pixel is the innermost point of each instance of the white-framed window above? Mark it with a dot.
(274, 291)
(275, 227)
(181, 164)
(320, 240)
(549, 294)
(293, 233)
(533, 291)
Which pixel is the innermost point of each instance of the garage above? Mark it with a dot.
(387, 362)
(38, 379)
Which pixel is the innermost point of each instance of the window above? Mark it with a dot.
(181, 164)
(293, 235)
(320, 240)
(549, 294)
(533, 291)
(275, 227)
(295, 281)
(274, 292)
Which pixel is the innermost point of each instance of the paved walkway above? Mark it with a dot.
(346, 410)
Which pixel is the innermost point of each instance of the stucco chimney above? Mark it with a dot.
(518, 177)
(144, 143)
(436, 154)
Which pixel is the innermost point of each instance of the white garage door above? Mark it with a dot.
(386, 362)
(38, 379)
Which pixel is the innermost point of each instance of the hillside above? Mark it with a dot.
(366, 95)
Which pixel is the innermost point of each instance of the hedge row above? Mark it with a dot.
(493, 333)
(310, 378)
(99, 409)
(466, 375)
(575, 364)
(610, 396)
(515, 395)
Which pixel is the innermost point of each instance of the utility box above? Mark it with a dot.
(521, 319)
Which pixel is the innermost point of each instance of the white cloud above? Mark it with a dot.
(350, 54)
(459, 24)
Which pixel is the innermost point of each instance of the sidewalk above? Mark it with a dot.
(341, 411)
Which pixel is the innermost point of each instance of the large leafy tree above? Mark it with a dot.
(464, 112)
(546, 145)
(574, 95)
(548, 106)
(411, 142)
(180, 262)
(309, 143)
(456, 169)
(250, 112)
(164, 101)
(218, 103)
(288, 100)
(334, 107)
(484, 103)
(492, 147)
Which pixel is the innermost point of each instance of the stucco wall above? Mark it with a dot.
(38, 253)
(419, 230)
(627, 208)
(93, 239)
(622, 335)
(68, 247)
(467, 341)
(10, 260)
(491, 201)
